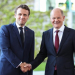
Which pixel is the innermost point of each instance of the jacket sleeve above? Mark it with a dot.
(41, 55)
(74, 41)
(31, 54)
(6, 47)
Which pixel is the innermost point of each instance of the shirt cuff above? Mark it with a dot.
(18, 65)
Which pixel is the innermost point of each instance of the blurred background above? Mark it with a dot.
(39, 19)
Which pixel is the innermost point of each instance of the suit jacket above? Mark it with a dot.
(12, 52)
(63, 59)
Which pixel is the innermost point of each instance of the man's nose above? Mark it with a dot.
(56, 19)
(22, 16)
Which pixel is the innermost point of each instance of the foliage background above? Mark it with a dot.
(38, 21)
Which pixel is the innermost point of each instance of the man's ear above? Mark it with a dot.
(15, 15)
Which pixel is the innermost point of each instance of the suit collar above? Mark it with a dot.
(51, 40)
(64, 37)
(19, 26)
(60, 29)
(17, 32)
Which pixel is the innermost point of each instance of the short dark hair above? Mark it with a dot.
(23, 6)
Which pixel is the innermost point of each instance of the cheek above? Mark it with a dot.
(17, 17)
(26, 18)
(52, 21)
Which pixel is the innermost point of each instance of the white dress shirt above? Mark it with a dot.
(60, 33)
(19, 30)
(19, 33)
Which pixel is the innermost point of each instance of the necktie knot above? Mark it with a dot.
(57, 31)
(20, 28)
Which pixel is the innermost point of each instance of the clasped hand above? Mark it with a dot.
(25, 67)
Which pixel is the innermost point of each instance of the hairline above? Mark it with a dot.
(21, 6)
(60, 11)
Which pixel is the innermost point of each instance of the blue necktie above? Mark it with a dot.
(21, 35)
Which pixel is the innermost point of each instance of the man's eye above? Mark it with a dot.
(58, 17)
(25, 15)
(53, 18)
(19, 14)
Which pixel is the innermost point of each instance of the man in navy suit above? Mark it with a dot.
(16, 44)
(58, 44)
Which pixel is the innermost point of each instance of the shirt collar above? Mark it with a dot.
(61, 29)
(19, 26)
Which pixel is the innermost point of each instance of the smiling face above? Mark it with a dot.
(57, 18)
(21, 16)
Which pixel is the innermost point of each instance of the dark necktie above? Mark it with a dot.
(21, 35)
(56, 44)
(56, 41)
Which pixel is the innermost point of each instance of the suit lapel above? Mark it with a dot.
(64, 37)
(17, 33)
(51, 40)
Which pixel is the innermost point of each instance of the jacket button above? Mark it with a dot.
(56, 56)
(13, 63)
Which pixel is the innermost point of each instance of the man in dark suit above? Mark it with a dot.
(58, 44)
(16, 44)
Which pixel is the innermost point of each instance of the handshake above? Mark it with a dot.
(25, 67)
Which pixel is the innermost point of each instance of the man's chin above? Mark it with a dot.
(21, 24)
(56, 26)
